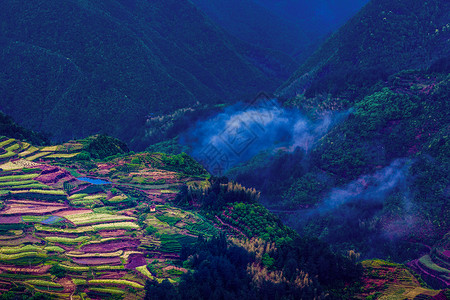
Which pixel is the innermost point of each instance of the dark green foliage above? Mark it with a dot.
(10, 129)
(305, 191)
(316, 258)
(170, 147)
(14, 295)
(92, 189)
(84, 155)
(267, 261)
(271, 174)
(256, 221)
(405, 117)
(180, 163)
(58, 271)
(220, 272)
(384, 38)
(376, 110)
(183, 163)
(219, 193)
(101, 146)
(149, 230)
(162, 291)
(108, 66)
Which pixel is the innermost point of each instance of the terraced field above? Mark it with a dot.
(434, 267)
(14, 149)
(390, 281)
(72, 239)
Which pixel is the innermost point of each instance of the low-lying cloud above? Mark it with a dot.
(240, 132)
(358, 208)
(372, 188)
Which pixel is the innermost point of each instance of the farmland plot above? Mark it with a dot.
(106, 242)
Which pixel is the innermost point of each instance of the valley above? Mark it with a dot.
(143, 166)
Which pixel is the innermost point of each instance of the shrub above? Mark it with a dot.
(58, 271)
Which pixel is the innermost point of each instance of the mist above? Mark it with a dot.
(242, 131)
(376, 208)
(372, 189)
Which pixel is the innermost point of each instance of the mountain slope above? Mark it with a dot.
(378, 182)
(293, 27)
(384, 38)
(255, 24)
(9, 128)
(79, 67)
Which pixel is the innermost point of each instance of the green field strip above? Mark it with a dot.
(7, 257)
(15, 250)
(117, 199)
(84, 202)
(19, 177)
(82, 229)
(43, 283)
(14, 183)
(171, 220)
(144, 271)
(40, 192)
(77, 196)
(7, 142)
(79, 281)
(104, 209)
(90, 218)
(23, 276)
(116, 282)
(95, 197)
(48, 192)
(12, 147)
(64, 240)
(87, 255)
(89, 228)
(63, 155)
(50, 149)
(38, 155)
(54, 249)
(27, 186)
(107, 268)
(74, 268)
(120, 225)
(29, 151)
(104, 240)
(111, 291)
(8, 154)
(428, 262)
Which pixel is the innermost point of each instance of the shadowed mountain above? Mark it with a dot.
(293, 27)
(75, 68)
(384, 38)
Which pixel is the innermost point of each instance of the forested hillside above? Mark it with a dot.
(384, 38)
(296, 28)
(378, 181)
(75, 68)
